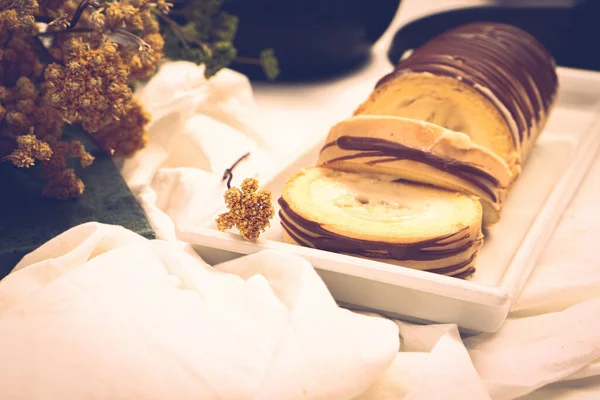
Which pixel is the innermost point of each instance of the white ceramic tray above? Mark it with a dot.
(558, 164)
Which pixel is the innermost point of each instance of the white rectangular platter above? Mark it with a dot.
(558, 164)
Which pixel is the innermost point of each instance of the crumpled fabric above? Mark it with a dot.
(99, 312)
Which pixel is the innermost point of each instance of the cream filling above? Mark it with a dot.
(370, 208)
(419, 172)
(425, 174)
(377, 207)
(371, 203)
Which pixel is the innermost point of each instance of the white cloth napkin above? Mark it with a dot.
(102, 313)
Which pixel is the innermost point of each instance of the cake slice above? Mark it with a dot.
(420, 152)
(494, 82)
(371, 216)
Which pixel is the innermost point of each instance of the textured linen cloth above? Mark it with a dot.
(99, 312)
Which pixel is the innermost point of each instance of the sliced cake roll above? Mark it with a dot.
(493, 82)
(431, 155)
(371, 216)
(420, 152)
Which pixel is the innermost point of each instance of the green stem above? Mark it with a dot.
(176, 28)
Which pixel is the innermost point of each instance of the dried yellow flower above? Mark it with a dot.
(25, 89)
(73, 88)
(29, 148)
(250, 210)
(77, 150)
(127, 135)
(78, 70)
(19, 59)
(17, 14)
(64, 185)
(61, 22)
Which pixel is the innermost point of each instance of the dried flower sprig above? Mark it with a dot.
(250, 210)
(80, 69)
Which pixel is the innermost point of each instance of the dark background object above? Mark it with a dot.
(311, 38)
(571, 34)
(28, 220)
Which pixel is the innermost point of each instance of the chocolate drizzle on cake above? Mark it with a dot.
(505, 64)
(312, 234)
(457, 267)
(387, 151)
(493, 82)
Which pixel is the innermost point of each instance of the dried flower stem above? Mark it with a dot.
(66, 31)
(130, 38)
(44, 19)
(80, 9)
(11, 157)
(74, 20)
(228, 174)
(43, 51)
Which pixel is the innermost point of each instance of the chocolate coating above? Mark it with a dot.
(502, 62)
(388, 151)
(424, 250)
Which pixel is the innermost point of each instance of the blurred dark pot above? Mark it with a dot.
(567, 31)
(311, 38)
